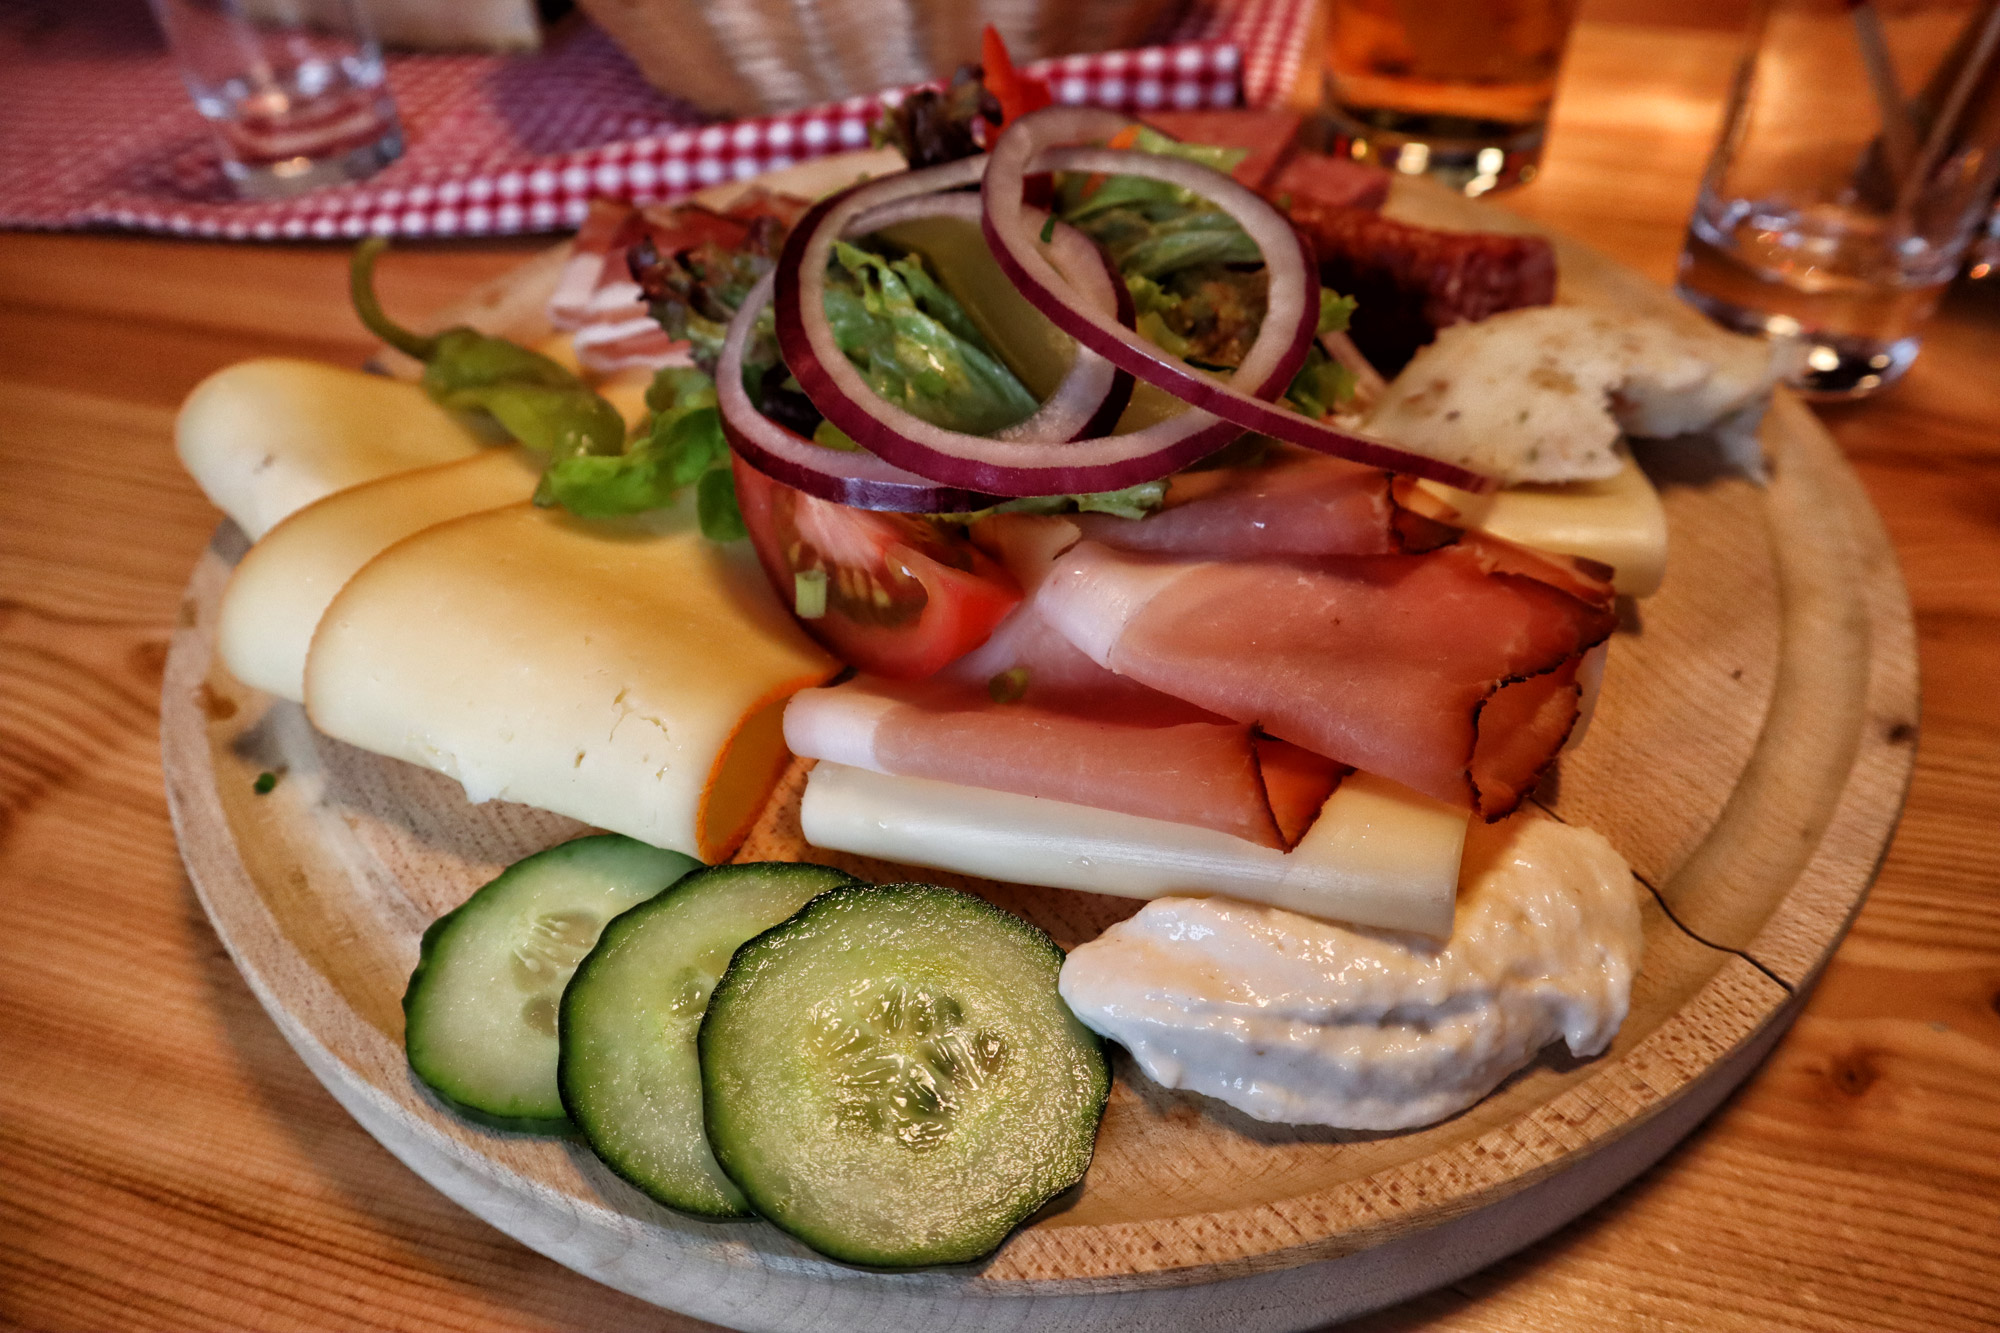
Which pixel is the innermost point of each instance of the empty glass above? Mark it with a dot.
(293, 89)
(1861, 148)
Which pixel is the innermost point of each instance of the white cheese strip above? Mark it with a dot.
(1379, 854)
(629, 673)
(281, 589)
(1618, 521)
(267, 437)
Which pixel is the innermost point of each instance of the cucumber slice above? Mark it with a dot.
(891, 1077)
(628, 1073)
(480, 1012)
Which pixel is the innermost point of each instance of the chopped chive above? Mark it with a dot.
(1049, 229)
(1008, 686)
(265, 781)
(809, 593)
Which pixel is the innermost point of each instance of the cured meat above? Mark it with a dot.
(597, 301)
(1452, 672)
(596, 296)
(1300, 503)
(1189, 768)
(1411, 281)
(1320, 181)
(618, 333)
(1038, 660)
(1027, 712)
(1266, 135)
(608, 226)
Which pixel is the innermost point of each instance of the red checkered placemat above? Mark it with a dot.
(97, 131)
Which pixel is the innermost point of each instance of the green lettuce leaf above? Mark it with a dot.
(681, 446)
(1131, 502)
(1321, 385)
(915, 345)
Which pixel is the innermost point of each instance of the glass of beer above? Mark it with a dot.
(1456, 89)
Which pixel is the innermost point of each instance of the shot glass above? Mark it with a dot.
(1455, 89)
(293, 89)
(1856, 163)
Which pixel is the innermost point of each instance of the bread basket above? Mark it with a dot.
(741, 57)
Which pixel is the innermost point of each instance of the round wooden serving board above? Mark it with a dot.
(1749, 758)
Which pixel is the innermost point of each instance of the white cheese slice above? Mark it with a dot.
(267, 437)
(1379, 854)
(629, 673)
(282, 587)
(1618, 520)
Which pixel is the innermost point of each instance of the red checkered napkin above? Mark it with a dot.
(96, 130)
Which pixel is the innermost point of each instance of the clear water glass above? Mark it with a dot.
(1856, 163)
(294, 90)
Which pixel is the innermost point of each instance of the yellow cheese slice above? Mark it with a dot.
(266, 437)
(1618, 521)
(629, 673)
(1378, 855)
(282, 587)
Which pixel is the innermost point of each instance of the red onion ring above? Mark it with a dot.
(858, 479)
(977, 462)
(1036, 143)
(1093, 395)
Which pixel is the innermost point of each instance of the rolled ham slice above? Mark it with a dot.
(607, 228)
(596, 298)
(1180, 764)
(1453, 672)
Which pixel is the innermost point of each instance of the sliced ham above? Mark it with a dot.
(1299, 503)
(608, 227)
(617, 331)
(597, 301)
(596, 298)
(1045, 667)
(1448, 671)
(1190, 769)
(1029, 713)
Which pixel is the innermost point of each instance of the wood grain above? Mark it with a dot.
(166, 1162)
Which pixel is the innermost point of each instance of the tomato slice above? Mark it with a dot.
(904, 594)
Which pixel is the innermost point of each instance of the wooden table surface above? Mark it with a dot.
(166, 1162)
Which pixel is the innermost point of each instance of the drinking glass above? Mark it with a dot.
(1456, 89)
(1859, 155)
(293, 89)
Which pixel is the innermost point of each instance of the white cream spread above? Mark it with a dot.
(1301, 1021)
